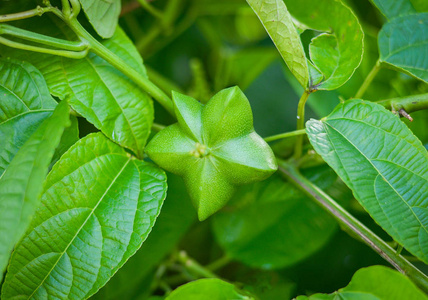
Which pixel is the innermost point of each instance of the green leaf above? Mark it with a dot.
(103, 15)
(167, 232)
(96, 90)
(383, 163)
(374, 283)
(337, 53)
(384, 283)
(278, 23)
(403, 43)
(321, 47)
(394, 8)
(258, 227)
(25, 104)
(208, 289)
(99, 205)
(22, 182)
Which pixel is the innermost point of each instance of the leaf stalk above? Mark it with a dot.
(300, 123)
(118, 63)
(285, 135)
(150, 9)
(372, 74)
(409, 103)
(78, 50)
(349, 222)
(193, 266)
(36, 12)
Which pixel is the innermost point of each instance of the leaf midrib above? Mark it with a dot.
(16, 96)
(379, 173)
(418, 146)
(26, 113)
(83, 224)
(350, 183)
(91, 63)
(397, 51)
(94, 66)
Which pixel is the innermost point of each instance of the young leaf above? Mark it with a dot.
(97, 91)
(25, 104)
(22, 182)
(99, 205)
(103, 15)
(208, 288)
(375, 283)
(383, 163)
(394, 8)
(258, 227)
(278, 23)
(403, 44)
(338, 52)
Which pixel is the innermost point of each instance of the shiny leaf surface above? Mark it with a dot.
(98, 206)
(96, 90)
(22, 182)
(175, 219)
(25, 103)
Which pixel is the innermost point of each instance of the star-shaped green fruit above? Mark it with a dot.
(213, 147)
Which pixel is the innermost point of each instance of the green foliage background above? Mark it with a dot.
(270, 239)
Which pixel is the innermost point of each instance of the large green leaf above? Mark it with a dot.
(272, 225)
(167, 232)
(383, 163)
(208, 289)
(278, 23)
(25, 102)
(103, 15)
(394, 8)
(99, 205)
(336, 53)
(375, 283)
(22, 182)
(96, 90)
(403, 44)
